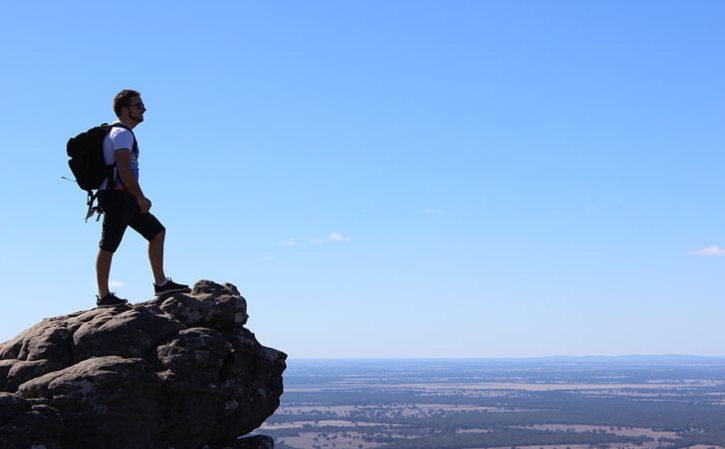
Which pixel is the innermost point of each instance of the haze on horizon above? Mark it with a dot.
(388, 179)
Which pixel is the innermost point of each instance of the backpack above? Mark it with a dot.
(88, 164)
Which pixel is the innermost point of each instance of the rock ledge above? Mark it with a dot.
(176, 373)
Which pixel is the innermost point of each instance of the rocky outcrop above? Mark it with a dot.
(181, 373)
(23, 424)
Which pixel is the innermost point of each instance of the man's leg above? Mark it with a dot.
(117, 213)
(153, 231)
(156, 257)
(162, 284)
(103, 271)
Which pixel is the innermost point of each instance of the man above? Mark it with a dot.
(124, 204)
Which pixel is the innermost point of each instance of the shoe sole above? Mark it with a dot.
(169, 292)
(112, 305)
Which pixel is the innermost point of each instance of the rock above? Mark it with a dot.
(24, 425)
(131, 333)
(179, 373)
(210, 303)
(23, 370)
(102, 399)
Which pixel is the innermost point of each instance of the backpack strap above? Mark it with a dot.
(92, 197)
(135, 142)
(113, 173)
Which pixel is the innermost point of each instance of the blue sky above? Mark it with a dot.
(387, 178)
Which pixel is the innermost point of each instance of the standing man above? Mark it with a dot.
(124, 204)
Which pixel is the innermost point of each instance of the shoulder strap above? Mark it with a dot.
(113, 173)
(121, 125)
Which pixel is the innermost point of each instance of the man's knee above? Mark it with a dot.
(159, 235)
(104, 255)
(109, 244)
(149, 227)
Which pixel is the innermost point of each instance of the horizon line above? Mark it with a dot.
(542, 357)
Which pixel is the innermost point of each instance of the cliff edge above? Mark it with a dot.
(181, 372)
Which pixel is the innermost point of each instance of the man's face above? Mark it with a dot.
(136, 109)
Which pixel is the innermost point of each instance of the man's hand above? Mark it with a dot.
(144, 204)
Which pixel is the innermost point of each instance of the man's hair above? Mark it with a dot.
(122, 99)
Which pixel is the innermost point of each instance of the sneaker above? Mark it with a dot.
(110, 300)
(170, 287)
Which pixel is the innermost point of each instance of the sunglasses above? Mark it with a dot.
(139, 105)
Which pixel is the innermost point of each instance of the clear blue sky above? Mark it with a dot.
(387, 178)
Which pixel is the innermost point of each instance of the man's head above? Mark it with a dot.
(128, 107)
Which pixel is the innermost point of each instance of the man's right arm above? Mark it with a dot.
(123, 165)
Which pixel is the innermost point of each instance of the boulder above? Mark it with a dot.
(26, 425)
(180, 372)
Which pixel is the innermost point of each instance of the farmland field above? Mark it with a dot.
(552, 403)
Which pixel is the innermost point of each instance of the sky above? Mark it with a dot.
(387, 178)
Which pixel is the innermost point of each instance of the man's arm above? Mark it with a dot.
(123, 164)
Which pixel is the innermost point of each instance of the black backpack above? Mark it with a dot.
(88, 164)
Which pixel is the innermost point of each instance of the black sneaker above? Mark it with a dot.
(170, 287)
(110, 300)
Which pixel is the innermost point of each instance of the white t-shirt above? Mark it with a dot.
(117, 139)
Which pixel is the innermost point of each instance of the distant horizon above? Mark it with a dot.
(552, 357)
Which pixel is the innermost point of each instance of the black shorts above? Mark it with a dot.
(121, 211)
